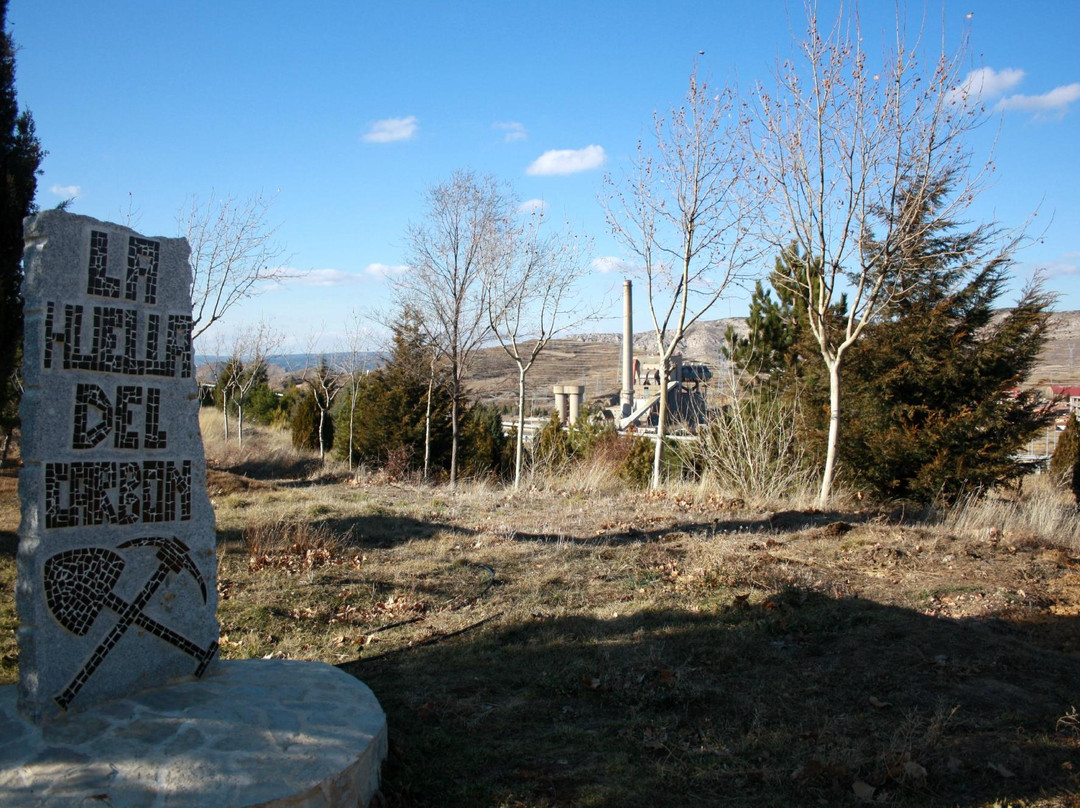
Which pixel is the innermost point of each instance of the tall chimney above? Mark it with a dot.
(626, 397)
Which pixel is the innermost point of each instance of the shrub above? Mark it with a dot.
(305, 425)
(552, 449)
(1065, 454)
(485, 448)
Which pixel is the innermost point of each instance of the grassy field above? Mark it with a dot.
(579, 644)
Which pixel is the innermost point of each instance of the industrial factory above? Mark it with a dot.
(639, 396)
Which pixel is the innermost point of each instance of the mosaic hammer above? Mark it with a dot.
(79, 584)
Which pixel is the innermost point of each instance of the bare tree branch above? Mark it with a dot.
(848, 148)
(233, 252)
(450, 256)
(685, 213)
(531, 300)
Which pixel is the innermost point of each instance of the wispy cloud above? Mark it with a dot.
(377, 270)
(66, 191)
(512, 131)
(986, 84)
(322, 277)
(1055, 101)
(567, 161)
(533, 206)
(390, 130)
(610, 263)
(1067, 265)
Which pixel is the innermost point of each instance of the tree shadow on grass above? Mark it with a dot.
(830, 525)
(372, 530)
(797, 700)
(9, 544)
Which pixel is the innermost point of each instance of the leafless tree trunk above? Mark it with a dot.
(684, 213)
(324, 382)
(352, 368)
(233, 251)
(5, 446)
(531, 301)
(427, 412)
(252, 348)
(842, 141)
(450, 255)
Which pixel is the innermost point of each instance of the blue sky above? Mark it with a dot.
(345, 112)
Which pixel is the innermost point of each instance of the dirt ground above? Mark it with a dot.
(562, 646)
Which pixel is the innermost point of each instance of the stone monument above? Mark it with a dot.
(116, 567)
(121, 697)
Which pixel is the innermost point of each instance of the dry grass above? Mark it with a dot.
(580, 644)
(266, 453)
(577, 643)
(1042, 514)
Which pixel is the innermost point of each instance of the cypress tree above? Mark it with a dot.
(20, 158)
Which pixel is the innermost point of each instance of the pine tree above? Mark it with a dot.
(1066, 453)
(933, 391)
(20, 158)
(391, 405)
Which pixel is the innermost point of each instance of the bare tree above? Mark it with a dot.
(531, 300)
(433, 377)
(233, 251)
(251, 351)
(352, 365)
(324, 382)
(850, 146)
(684, 213)
(450, 256)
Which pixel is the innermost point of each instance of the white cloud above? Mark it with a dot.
(1057, 100)
(384, 270)
(513, 129)
(533, 206)
(391, 130)
(1067, 265)
(567, 161)
(610, 263)
(322, 277)
(986, 84)
(66, 191)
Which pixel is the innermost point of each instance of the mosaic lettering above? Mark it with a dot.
(111, 451)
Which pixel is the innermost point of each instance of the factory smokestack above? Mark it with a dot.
(626, 397)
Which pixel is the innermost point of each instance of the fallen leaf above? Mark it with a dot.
(864, 791)
(913, 771)
(591, 682)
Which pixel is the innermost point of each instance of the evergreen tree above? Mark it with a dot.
(1066, 453)
(20, 158)
(485, 448)
(307, 421)
(933, 390)
(392, 404)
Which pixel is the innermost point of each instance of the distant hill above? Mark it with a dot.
(593, 360)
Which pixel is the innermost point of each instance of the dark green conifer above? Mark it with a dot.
(933, 393)
(20, 158)
(1066, 453)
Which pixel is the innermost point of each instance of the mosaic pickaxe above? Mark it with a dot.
(79, 584)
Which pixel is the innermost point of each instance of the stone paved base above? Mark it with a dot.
(250, 733)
